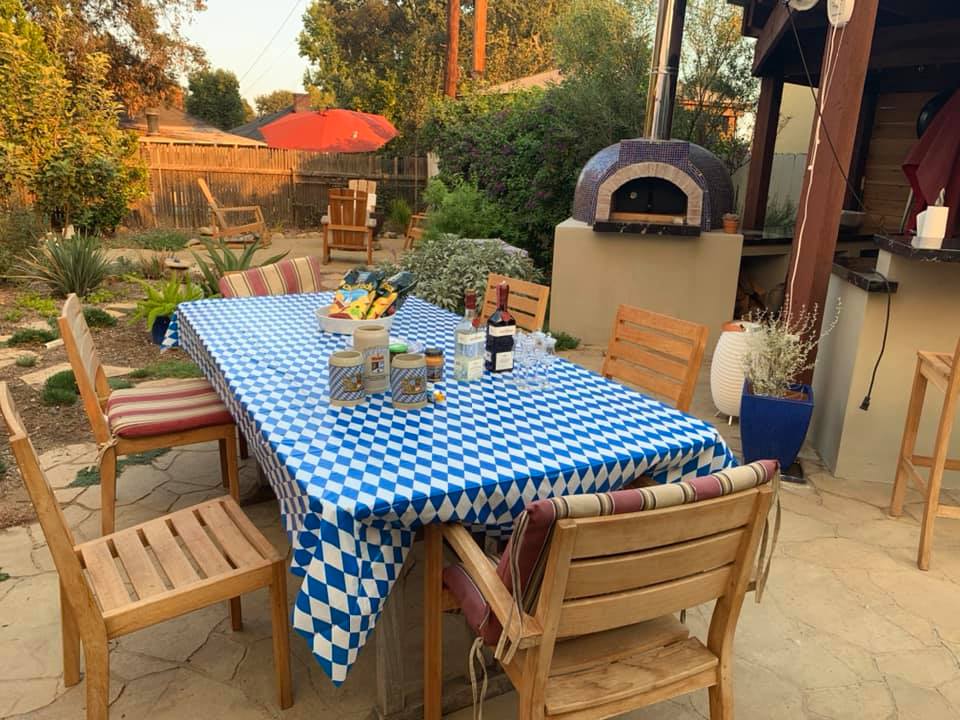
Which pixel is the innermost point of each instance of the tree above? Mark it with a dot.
(214, 96)
(60, 141)
(273, 102)
(386, 56)
(715, 80)
(142, 40)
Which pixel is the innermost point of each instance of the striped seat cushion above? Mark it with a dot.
(296, 275)
(183, 405)
(532, 530)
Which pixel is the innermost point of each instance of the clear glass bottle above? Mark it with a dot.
(468, 353)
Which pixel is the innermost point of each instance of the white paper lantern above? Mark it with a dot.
(726, 370)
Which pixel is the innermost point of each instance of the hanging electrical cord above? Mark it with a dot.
(865, 405)
(816, 105)
(266, 47)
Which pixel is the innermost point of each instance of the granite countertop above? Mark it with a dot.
(861, 273)
(900, 245)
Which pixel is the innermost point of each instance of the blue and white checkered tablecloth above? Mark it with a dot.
(355, 483)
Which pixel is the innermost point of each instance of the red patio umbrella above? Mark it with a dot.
(331, 130)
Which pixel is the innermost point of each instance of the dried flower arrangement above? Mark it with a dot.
(779, 348)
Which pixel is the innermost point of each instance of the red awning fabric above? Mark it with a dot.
(934, 164)
(333, 130)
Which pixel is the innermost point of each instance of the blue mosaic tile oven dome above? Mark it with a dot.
(697, 172)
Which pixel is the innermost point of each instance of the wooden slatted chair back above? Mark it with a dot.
(348, 217)
(212, 202)
(604, 574)
(87, 368)
(52, 522)
(657, 353)
(368, 186)
(527, 302)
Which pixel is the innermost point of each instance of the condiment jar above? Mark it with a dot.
(434, 365)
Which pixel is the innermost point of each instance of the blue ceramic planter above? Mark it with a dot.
(159, 328)
(774, 428)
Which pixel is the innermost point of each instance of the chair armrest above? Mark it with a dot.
(241, 208)
(371, 222)
(484, 574)
(325, 220)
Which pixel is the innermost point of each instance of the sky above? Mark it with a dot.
(235, 33)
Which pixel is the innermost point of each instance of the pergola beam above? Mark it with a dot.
(824, 187)
(761, 153)
(479, 37)
(452, 71)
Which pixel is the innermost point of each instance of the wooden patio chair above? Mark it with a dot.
(587, 590)
(657, 353)
(149, 573)
(233, 233)
(414, 232)
(287, 277)
(346, 226)
(943, 370)
(368, 186)
(527, 302)
(590, 627)
(181, 412)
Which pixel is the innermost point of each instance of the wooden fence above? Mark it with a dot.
(290, 186)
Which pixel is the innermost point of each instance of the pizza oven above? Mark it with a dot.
(653, 185)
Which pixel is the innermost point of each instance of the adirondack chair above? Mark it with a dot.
(234, 233)
(527, 302)
(347, 226)
(370, 188)
(415, 230)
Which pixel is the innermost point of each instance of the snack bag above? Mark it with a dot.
(391, 294)
(356, 293)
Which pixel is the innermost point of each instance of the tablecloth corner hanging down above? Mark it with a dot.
(353, 484)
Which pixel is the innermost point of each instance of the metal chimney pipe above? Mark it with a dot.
(662, 89)
(153, 122)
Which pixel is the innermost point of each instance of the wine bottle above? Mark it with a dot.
(468, 351)
(501, 330)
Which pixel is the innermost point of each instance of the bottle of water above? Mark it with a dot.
(470, 340)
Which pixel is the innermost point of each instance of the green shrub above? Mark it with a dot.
(20, 231)
(12, 315)
(446, 266)
(77, 265)
(91, 475)
(101, 296)
(31, 336)
(465, 211)
(43, 306)
(398, 214)
(167, 369)
(222, 260)
(158, 239)
(151, 267)
(121, 267)
(60, 389)
(565, 341)
(162, 299)
(119, 383)
(26, 361)
(96, 317)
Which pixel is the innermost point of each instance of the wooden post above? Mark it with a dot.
(453, 43)
(761, 153)
(844, 71)
(479, 37)
(861, 150)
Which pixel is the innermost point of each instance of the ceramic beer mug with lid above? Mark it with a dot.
(373, 342)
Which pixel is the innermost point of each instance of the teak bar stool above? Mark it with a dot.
(149, 573)
(943, 370)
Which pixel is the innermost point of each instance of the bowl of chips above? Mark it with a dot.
(365, 297)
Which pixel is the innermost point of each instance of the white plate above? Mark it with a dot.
(342, 326)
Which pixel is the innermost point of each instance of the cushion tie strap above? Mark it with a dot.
(478, 693)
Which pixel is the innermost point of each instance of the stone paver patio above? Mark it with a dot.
(849, 628)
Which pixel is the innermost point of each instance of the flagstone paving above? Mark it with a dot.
(848, 628)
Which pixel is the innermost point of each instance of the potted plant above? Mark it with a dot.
(731, 222)
(775, 409)
(161, 302)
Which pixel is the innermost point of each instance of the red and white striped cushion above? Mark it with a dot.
(183, 405)
(294, 275)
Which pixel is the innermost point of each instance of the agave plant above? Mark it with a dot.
(162, 299)
(76, 265)
(223, 260)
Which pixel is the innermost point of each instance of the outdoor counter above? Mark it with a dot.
(924, 315)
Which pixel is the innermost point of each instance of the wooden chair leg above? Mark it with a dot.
(940, 448)
(229, 466)
(721, 698)
(325, 256)
(244, 448)
(70, 635)
(281, 636)
(909, 442)
(108, 491)
(236, 615)
(370, 248)
(433, 624)
(97, 657)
